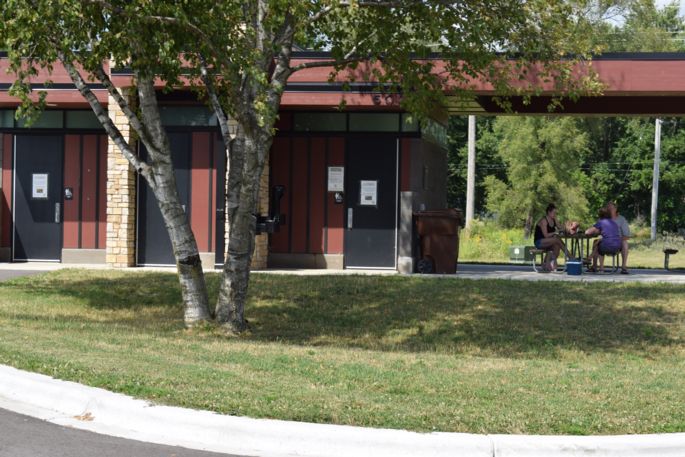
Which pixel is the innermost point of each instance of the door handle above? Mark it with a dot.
(58, 213)
(350, 213)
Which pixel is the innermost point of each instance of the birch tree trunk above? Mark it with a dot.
(158, 172)
(162, 182)
(528, 228)
(247, 164)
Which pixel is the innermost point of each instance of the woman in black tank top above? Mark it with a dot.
(547, 239)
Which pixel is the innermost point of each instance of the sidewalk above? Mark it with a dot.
(464, 271)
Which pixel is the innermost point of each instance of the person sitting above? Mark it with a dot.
(547, 238)
(624, 232)
(609, 244)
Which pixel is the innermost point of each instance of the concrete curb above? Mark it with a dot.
(97, 410)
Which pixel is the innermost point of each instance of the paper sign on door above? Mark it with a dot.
(336, 179)
(39, 185)
(368, 195)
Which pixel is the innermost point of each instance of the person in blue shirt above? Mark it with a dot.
(610, 243)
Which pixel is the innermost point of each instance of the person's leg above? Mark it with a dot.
(624, 254)
(548, 245)
(555, 255)
(562, 247)
(601, 262)
(595, 253)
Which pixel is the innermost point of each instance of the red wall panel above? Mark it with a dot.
(102, 192)
(89, 176)
(300, 195)
(217, 148)
(6, 196)
(336, 212)
(72, 178)
(200, 178)
(317, 195)
(280, 174)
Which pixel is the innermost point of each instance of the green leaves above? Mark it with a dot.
(543, 156)
(240, 40)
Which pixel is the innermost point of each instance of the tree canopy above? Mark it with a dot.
(618, 160)
(238, 56)
(543, 157)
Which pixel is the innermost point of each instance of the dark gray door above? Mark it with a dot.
(154, 245)
(220, 230)
(371, 196)
(38, 165)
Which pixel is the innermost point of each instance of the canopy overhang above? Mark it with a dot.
(634, 84)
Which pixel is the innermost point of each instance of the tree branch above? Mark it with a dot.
(111, 129)
(123, 104)
(197, 31)
(324, 12)
(216, 103)
(326, 63)
(158, 141)
(103, 3)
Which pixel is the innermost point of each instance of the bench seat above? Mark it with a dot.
(668, 252)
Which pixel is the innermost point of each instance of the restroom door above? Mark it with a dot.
(154, 244)
(38, 162)
(371, 196)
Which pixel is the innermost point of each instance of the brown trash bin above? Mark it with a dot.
(438, 232)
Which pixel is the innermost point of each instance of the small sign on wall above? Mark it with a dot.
(336, 179)
(39, 186)
(368, 194)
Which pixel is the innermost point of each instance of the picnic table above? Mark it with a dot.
(577, 244)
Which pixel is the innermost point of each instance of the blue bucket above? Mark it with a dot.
(574, 267)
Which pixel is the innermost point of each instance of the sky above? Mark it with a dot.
(661, 3)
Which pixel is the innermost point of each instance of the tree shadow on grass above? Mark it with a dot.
(146, 300)
(494, 317)
(489, 317)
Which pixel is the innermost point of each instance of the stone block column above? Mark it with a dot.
(121, 197)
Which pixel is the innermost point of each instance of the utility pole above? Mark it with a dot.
(655, 176)
(471, 170)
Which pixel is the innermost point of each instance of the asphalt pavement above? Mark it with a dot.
(23, 436)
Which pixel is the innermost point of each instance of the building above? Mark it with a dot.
(352, 178)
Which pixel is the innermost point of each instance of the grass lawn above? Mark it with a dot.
(384, 351)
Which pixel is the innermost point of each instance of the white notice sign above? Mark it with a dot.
(368, 195)
(336, 179)
(39, 186)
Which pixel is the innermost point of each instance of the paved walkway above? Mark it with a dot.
(467, 271)
(526, 273)
(9, 274)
